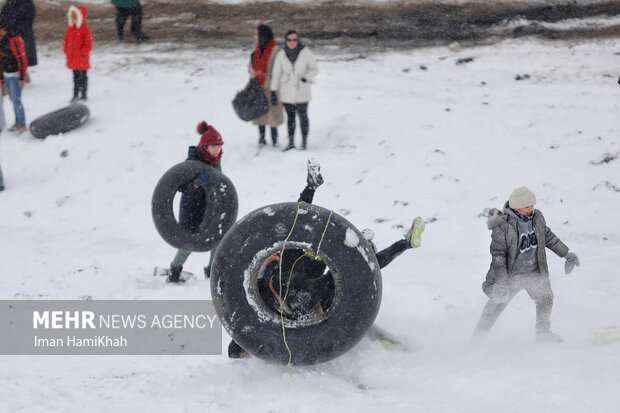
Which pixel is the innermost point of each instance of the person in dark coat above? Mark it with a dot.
(124, 10)
(20, 15)
(192, 206)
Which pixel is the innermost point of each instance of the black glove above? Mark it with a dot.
(571, 261)
(303, 79)
(202, 179)
(274, 98)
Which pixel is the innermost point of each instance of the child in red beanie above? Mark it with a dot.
(77, 46)
(191, 210)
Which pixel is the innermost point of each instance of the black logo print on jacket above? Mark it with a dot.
(528, 241)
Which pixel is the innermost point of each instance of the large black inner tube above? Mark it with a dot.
(220, 212)
(252, 322)
(60, 121)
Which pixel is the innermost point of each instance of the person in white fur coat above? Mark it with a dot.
(293, 71)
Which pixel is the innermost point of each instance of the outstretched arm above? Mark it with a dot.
(554, 243)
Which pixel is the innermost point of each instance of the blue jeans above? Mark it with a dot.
(15, 93)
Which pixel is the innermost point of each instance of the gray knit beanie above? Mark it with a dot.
(521, 197)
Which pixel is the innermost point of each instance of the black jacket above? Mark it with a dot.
(14, 55)
(305, 284)
(19, 15)
(192, 205)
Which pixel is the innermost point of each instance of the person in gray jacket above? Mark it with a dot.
(293, 71)
(519, 262)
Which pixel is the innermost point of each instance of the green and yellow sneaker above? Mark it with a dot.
(392, 345)
(414, 235)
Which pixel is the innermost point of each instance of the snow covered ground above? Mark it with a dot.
(398, 135)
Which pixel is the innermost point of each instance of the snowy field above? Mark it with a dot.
(398, 135)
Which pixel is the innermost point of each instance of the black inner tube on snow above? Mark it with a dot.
(254, 324)
(59, 121)
(219, 215)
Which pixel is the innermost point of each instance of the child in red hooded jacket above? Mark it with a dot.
(77, 46)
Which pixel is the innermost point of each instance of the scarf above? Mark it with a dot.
(261, 61)
(293, 53)
(213, 160)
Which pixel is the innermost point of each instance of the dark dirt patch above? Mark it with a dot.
(380, 25)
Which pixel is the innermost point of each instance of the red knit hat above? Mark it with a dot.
(210, 135)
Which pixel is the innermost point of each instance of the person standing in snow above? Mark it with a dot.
(519, 262)
(15, 66)
(192, 206)
(261, 68)
(293, 71)
(77, 46)
(124, 10)
(20, 15)
(310, 288)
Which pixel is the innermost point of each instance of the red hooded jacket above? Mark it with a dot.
(78, 40)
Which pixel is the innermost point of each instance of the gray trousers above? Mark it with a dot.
(539, 289)
(181, 256)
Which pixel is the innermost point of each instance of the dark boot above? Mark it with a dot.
(175, 275)
(261, 137)
(274, 136)
(291, 144)
(84, 87)
(208, 271)
(235, 351)
(304, 143)
(142, 37)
